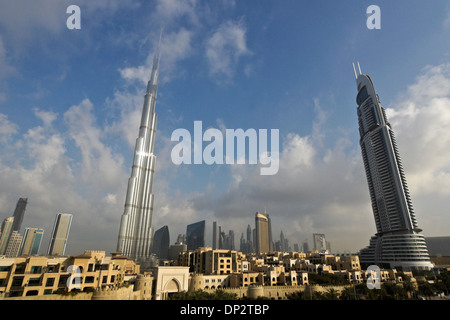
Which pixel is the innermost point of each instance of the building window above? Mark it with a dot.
(63, 280)
(36, 269)
(50, 282)
(17, 281)
(32, 293)
(89, 280)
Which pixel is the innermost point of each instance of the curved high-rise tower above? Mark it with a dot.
(398, 242)
(135, 234)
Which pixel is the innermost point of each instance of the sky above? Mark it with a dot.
(70, 104)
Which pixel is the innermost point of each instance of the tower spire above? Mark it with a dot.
(152, 86)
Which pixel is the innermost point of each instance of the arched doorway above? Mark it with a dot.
(171, 287)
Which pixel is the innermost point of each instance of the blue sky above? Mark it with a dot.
(70, 103)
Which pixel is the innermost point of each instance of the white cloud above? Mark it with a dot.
(168, 11)
(175, 47)
(100, 167)
(224, 48)
(420, 119)
(446, 23)
(47, 117)
(7, 128)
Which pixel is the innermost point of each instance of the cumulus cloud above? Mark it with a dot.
(175, 47)
(99, 165)
(224, 48)
(421, 118)
(7, 128)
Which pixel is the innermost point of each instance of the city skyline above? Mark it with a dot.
(69, 116)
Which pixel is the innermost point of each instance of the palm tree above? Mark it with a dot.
(348, 293)
(298, 295)
(426, 289)
(409, 288)
(331, 294)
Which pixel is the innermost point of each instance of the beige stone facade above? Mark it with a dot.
(169, 280)
(42, 275)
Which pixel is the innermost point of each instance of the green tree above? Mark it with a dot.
(298, 295)
(202, 295)
(426, 289)
(394, 291)
(409, 288)
(331, 294)
(348, 293)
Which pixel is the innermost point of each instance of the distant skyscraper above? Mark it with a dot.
(161, 242)
(7, 229)
(195, 235)
(19, 212)
(135, 233)
(215, 236)
(397, 242)
(181, 238)
(228, 241)
(305, 246)
(320, 244)
(175, 249)
(284, 243)
(13, 247)
(60, 233)
(263, 233)
(31, 243)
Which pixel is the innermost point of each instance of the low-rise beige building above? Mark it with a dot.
(205, 260)
(43, 275)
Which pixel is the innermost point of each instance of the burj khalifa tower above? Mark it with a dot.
(136, 232)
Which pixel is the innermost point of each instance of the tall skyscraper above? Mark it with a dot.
(263, 241)
(60, 234)
(398, 242)
(195, 235)
(136, 232)
(161, 241)
(19, 212)
(31, 243)
(7, 229)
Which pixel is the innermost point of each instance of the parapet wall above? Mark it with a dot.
(274, 292)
